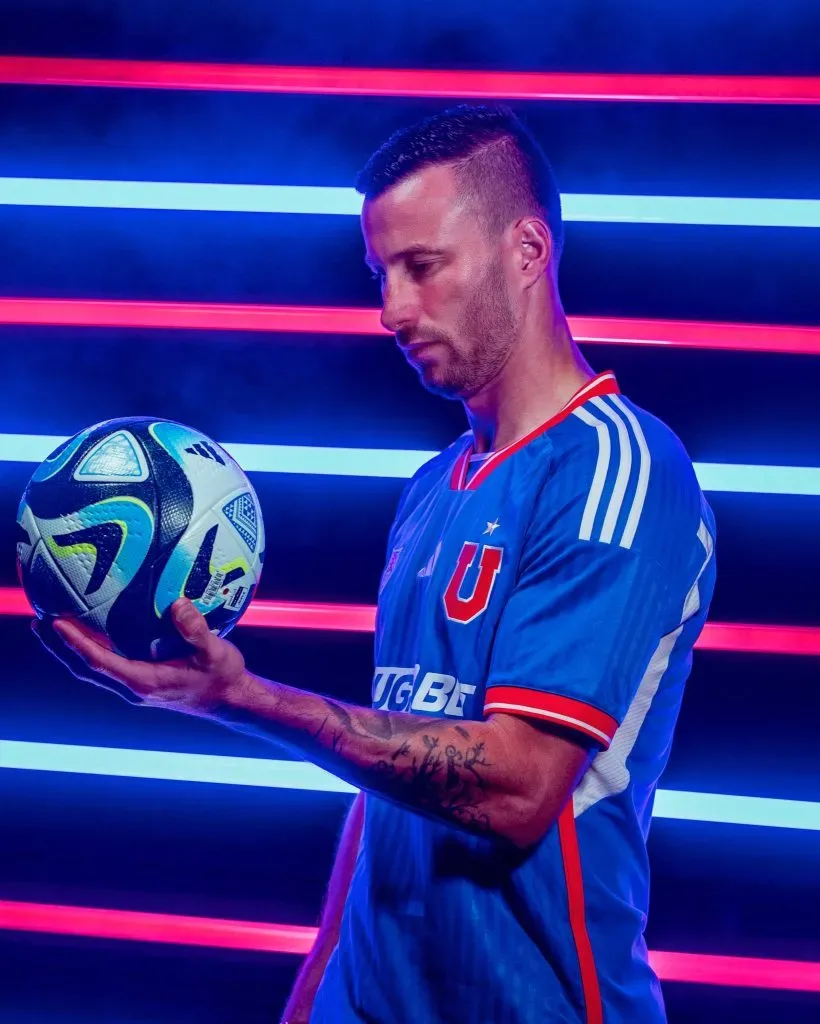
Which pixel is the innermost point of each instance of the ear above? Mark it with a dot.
(533, 247)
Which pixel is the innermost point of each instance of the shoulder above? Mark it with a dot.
(625, 474)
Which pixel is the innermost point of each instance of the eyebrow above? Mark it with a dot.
(417, 249)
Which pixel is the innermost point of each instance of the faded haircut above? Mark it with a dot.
(499, 165)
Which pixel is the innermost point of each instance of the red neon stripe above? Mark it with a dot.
(753, 639)
(90, 922)
(198, 316)
(211, 316)
(739, 971)
(361, 618)
(400, 82)
(571, 857)
(353, 618)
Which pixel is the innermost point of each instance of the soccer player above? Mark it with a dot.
(546, 578)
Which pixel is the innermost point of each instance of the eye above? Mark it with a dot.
(422, 269)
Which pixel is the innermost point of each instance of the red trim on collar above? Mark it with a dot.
(603, 384)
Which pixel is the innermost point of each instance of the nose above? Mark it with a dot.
(399, 307)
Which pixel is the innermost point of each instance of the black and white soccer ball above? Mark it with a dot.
(131, 514)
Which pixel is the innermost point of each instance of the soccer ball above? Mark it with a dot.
(131, 514)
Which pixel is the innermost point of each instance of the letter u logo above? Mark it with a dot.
(465, 609)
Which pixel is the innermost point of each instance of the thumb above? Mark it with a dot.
(191, 624)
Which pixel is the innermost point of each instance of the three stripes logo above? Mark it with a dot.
(618, 491)
(207, 451)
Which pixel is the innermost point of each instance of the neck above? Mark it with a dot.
(543, 372)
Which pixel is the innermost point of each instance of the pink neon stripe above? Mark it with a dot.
(90, 922)
(353, 618)
(739, 971)
(755, 639)
(340, 320)
(361, 618)
(400, 82)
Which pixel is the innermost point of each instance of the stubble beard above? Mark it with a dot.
(486, 335)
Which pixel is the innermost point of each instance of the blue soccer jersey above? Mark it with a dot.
(565, 579)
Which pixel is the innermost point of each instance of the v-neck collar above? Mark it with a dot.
(603, 384)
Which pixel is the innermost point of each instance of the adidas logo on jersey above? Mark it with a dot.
(207, 451)
(431, 564)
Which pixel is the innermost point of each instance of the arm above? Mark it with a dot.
(310, 976)
(504, 777)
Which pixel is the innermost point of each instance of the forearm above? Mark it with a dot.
(462, 773)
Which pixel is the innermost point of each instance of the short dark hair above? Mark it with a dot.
(499, 161)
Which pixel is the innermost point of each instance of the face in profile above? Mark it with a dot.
(445, 291)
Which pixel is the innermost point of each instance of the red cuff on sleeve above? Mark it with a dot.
(573, 714)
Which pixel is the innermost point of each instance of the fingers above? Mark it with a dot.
(101, 659)
(191, 625)
(44, 631)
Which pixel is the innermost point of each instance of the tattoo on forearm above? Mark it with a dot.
(449, 781)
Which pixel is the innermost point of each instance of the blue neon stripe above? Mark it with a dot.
(301, 775)
(310, 199)
(402, 463)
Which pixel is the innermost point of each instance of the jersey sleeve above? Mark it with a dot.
(588, 611)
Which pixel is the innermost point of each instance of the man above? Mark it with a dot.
(547, 576)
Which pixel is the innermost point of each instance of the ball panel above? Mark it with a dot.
(100, 548)
(118, 458)
(52, 464)
(47, 589)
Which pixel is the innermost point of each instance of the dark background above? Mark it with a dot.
(749, 722)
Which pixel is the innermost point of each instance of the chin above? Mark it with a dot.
(438, 384)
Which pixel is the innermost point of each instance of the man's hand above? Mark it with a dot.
(195, 685)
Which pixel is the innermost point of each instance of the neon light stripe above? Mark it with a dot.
(200, 316)
(399, 82)
(91, 922)
(165, 928)
(737, 971)
(718, 476)
(169, 766)
(737, 810)
(745, 638)
(576, 902)
(325, 200)
(401, 463)
(262, 773)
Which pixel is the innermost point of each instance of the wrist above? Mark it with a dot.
(248, 693)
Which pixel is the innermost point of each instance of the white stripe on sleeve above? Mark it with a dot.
(601, 468)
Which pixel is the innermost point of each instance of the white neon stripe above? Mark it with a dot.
(173, 767)
(301, 775)
(726, 476)
(643, 475)
(313, 199)
(737, 810)
(498, 705)
(616, 499)
(401, 463)
(178, 195)
(599, 477)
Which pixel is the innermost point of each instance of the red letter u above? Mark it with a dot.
(462, 609)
